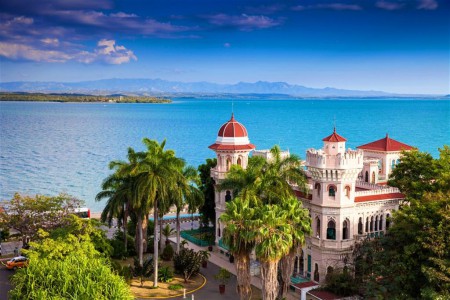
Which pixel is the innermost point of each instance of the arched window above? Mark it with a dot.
(228, 196)
(366, 178)
(329, 271)
(316, 273)
(398, 161)
(239, 161)
(376, 223)
(371, 224)
(347, 191)
(331, 230)
(360, 226)
(317, 187)
(345, 230)
(228, 163)
(317, 227)
(367, 224)
(388, 221)
(393, 164)
(373, 178)
(331, 190)
(218, 231)
(380, 166)
(380, 226)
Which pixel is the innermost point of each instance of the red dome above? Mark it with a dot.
(232, 136)
(232, 129)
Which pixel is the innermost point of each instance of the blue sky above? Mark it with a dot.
(398, 46)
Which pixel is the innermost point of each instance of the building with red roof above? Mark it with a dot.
(380, 158)
(345, 204)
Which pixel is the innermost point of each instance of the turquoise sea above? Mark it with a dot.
(66, 147)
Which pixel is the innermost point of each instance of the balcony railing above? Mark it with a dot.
(331, 243)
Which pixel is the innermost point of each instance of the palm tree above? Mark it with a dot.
(156, 176)
(300, 222)
(119, 194)
(187, 192)
(239, 236)
(273, 241)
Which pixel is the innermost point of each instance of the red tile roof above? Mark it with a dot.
(324, 295)
(334, 137)
(232, 128)
(379, 197)
(217, 146)
(386, 144)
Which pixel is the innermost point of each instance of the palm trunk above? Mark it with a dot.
(178, 231)
(287, 268)
(243, 288)
(155, 245)
(124, 224)
(269, 274)
(160, 234)
(140, 240)
(144, 233)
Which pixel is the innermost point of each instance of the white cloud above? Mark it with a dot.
(388, 5)
(427, 4)
(243, 22)
(107, 51)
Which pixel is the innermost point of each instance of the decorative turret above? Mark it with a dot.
(334, 171)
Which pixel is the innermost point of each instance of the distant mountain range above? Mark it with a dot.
(161, 87)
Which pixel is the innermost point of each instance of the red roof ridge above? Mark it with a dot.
(386, 144)
(334, 137)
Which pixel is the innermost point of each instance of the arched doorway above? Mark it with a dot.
(366, 177)
(360, 226)
(316, 273)
(345, 230)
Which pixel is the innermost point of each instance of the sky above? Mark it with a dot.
(400, 46)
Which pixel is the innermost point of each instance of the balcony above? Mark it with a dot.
(217, 174)
(332, 244)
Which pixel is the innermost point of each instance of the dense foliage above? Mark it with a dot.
(67, 266)
(412, 261)
(208, 210)
(27, 214)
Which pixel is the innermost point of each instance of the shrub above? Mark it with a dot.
(167, 253)
(165, 274)
(187, 263)
(175, 287)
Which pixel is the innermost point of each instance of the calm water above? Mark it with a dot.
(53, 147)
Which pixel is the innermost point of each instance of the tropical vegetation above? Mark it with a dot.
(265, 216)
(66, 264)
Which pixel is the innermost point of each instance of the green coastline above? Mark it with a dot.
(42, 97)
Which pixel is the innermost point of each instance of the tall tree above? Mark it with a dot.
(273, 241)
(208, 209)
(118, 192)
(300, 222)
(239, 235)
(156, 176)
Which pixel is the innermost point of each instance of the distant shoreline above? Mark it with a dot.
(80, 98)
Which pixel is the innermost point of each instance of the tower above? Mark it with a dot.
(334, 171)
(232, 147)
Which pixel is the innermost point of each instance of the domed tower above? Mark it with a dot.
(232, 147)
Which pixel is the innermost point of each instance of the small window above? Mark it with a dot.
(331, 191)
(228, 196)
(347, 191)
(239, 161)
(331, 230)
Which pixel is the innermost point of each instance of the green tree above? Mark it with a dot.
(119, 191)
(208, 209)
(68, 267)
(273, 241)
(415, 261)
(239, 235)
(27, 214)
(156, 176)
